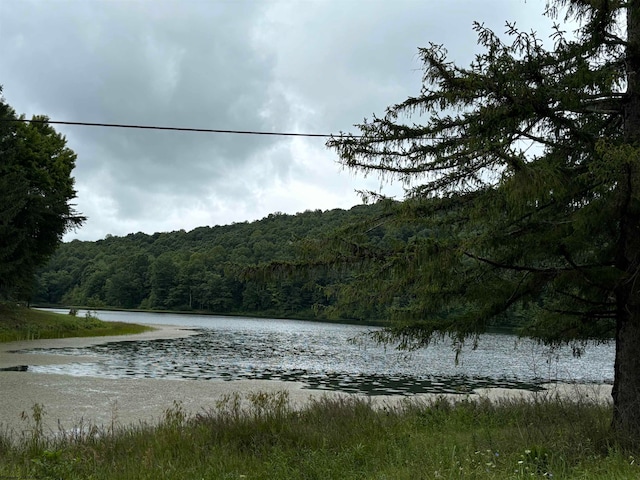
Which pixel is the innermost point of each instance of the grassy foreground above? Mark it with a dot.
(21, 323)
(261, 436)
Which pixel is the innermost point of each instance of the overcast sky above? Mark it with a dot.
(307, 66)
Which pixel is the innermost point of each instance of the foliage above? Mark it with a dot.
(35, 189)
(263, 436)
(511, 171)
(243, 268)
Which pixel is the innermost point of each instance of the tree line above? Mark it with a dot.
(243, 268)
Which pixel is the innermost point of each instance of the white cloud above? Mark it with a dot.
(313, 66)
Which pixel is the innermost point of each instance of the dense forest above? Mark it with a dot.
(243, 268)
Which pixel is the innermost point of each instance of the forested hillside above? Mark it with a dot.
(221, 269)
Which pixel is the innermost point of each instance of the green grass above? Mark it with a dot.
(262, 437)
(21, 323)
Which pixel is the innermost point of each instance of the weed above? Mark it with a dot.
(53, 464)
(261, 436)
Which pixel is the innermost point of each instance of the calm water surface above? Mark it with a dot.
(328, 356)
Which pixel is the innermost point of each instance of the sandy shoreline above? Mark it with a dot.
(71, 401)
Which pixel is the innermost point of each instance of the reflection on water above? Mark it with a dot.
(323, 357)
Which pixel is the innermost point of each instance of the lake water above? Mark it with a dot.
(330, 357)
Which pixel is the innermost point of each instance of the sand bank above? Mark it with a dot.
(70, 401)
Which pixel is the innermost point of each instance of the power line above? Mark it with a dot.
(175, 129)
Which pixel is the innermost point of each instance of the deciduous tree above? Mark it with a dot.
(36, 187)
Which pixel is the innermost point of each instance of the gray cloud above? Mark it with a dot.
(305, 66)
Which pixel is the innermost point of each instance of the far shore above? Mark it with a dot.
(345, 321)
(70, 402)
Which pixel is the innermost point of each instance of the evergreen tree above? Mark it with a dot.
(525, 169)
(35, 189)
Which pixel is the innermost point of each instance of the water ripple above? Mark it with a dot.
(322, 357)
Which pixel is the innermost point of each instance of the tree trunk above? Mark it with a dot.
(626, 386)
